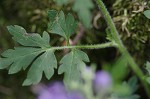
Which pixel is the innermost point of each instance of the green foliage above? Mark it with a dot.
(133, 86)
(148, 69)
(127, 90)
(59, 24)
(83, 12)
(133, 27)
(118, 70)
(21, 36)
(45, 63)
(72, 64)
(147, 13)
(109, 34)
(83, 7)
(35, 51)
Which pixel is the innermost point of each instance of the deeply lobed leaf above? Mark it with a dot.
(61, 25)
(72, 64)
(45, 63)
(21, 36)
(82, 7)
(35, 51)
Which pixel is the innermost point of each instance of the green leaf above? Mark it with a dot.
(18, 58)
(119, 67)
(83, 7)
(61, 2)
(148, 69)
(45, 63)
(72, 64)
(109, 35)
(126, 90)
(148, 66)
(147, 13)
(35, 52)
(132, 84)
(61, 25)
(148, 80)
(21, 36)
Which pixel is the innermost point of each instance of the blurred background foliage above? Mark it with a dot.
(128, 16)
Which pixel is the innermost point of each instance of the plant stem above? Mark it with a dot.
(96, 46)
(121, 47)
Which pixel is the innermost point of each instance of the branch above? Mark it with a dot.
(96, 46)
(121, 47)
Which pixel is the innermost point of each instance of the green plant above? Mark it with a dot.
(35, 51)
(147, 13)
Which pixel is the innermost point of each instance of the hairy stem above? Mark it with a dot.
(96, 46)
(121, 47)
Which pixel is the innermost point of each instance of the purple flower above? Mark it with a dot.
(45, 95)
(54, 91)
(102, 81)
(57, 88)
(57, 91)
(75, 95)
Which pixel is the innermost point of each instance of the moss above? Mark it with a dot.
(133, 27)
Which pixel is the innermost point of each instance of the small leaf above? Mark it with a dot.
(61, 25)
(109, 34)
(35, 51)
(148, 69)
(148, 80)
(83, 7)
(119, 67)
(148, 66)
(127, 90)
(71, 64)
(133, 83)
(147, 13)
